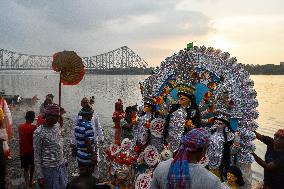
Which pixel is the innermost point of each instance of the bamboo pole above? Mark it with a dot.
(60, 117)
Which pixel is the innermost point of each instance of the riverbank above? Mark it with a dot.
(15, 175)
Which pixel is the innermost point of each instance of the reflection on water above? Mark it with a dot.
(107, 88)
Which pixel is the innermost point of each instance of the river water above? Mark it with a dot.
(107, 88)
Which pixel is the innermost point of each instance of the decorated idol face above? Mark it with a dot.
(219, 124)
(231, 178)
(126, 143)
(183, 100)
(147, 108)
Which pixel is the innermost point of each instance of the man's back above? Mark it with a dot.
(201, 178)
(84, 131)
(48, 146)
(26, 131)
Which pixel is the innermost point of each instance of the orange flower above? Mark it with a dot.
(188, 123)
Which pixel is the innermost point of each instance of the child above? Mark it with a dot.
(234, 178)
(26, 131)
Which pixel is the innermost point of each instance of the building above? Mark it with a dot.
(281, 63)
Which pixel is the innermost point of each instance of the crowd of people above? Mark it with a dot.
(184, 169)
(41, 145)
(42, 156)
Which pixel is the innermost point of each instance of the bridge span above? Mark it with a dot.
(122, 58)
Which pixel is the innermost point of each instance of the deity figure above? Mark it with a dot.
(223, 145)
(142, 130)
(181, 118)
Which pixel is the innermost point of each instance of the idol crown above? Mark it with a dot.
(186, 89)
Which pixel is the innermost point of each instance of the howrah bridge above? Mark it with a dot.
(121, 58)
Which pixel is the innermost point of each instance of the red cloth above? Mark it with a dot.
(116, 117)
(26, 131)
(40, 120)
(117, 136)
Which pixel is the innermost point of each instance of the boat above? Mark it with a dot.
(11, 99)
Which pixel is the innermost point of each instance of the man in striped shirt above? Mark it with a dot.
(48, 151)
(84, 134)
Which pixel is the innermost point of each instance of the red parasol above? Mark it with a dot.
(71, 68)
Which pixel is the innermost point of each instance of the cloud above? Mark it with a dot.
(89, 14)
(92, 27)
(228, 8)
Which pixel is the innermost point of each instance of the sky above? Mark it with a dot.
(251, 30)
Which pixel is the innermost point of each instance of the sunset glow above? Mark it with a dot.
(221, 43)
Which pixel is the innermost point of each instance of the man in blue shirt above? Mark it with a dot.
(84, 134)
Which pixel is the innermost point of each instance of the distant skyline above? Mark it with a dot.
(252, 31)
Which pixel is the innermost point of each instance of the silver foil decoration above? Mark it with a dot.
(233, 96)
(215, 149)
(176, 128)
(141, 132)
